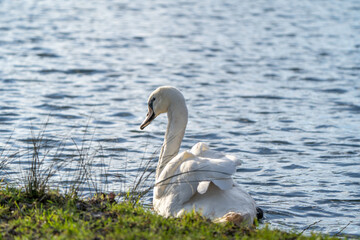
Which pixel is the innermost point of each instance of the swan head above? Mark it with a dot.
(160, 101)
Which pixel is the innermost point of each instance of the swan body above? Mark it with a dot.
(199, 179)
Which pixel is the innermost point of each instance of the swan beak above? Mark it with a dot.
(149, 117)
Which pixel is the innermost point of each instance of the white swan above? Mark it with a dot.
(199, 179)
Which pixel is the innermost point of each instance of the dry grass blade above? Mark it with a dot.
(38, 175)
(8, 156)
(338, 233)
(141, 184)
(86, 155)
(308, 227)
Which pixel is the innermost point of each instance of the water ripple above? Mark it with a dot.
(275, 84)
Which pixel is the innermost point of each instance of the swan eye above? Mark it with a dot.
(151, 102)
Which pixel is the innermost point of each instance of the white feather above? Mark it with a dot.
(199, 179)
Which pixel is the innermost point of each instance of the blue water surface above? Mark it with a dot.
(275, 83)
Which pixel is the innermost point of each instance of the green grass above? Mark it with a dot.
(56, 216)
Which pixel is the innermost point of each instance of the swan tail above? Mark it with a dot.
(237, 161)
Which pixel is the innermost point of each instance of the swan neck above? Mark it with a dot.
(177, 121)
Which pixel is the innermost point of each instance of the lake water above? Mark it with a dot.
(276, 83)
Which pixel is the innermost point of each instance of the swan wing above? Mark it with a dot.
(202, 150)
(193, 171)
(203, 171)
(171, 177)
(220, 167)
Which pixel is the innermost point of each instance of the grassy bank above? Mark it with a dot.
(56, 216)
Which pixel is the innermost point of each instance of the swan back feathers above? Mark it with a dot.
(193, 171)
